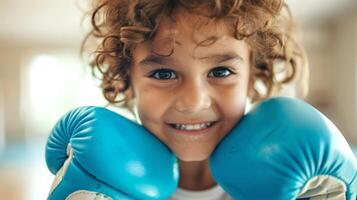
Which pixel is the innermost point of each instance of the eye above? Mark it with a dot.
(220, 72)
(163, 74)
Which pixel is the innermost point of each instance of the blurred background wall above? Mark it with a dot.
(42, 77)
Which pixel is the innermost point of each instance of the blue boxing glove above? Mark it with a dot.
(98, 154)
(285, 149)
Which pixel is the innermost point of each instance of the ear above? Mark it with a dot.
(251, 82)
(129, 94)
(250, 86)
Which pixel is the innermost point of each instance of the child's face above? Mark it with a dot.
(193, 85)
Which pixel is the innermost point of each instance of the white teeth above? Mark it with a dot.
(192, 126)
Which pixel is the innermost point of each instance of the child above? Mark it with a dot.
(188, 68)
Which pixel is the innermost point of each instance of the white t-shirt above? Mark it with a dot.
(214, 193)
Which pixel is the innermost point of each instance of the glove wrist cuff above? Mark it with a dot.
(63, 169)
(324, 187)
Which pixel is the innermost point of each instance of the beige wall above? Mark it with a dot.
(343, 44)
(332, 51)
(10, 62)
(12, 67)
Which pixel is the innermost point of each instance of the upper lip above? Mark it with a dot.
(191, 122)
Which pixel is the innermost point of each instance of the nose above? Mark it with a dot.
(193, 97)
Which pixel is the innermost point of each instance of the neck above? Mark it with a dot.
(195, 175)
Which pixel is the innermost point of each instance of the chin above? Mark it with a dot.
(191, 156)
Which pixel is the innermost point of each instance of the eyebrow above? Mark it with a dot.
(216, 58)
(220, 58)
(162, 60)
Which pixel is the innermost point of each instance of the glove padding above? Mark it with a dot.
(98, 154)
(285, 149)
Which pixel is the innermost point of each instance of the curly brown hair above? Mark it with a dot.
(266, 26)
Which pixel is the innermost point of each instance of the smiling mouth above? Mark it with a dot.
(193, 127)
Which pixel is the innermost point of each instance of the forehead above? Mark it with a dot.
(184, 36)
(184, 26)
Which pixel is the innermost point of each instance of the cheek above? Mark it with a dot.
(149, 112)
(150, 101)
(151, 105)
(232, 106)
(234, 95)
(237, 99)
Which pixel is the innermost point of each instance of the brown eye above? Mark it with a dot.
(163, 74)
(220, 72)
